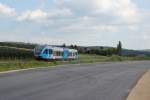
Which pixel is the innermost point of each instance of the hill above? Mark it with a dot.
(127, 52)
(148, 50)
(18, 45)
(7, 52)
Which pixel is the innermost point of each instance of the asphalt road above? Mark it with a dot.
(107, 81)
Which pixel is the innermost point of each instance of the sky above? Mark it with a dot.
(80, 22)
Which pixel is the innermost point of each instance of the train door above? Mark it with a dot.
(50, 53)
(65, 53)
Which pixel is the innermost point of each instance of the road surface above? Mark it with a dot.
(106, 81)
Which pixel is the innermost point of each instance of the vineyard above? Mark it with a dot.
(15, 53)
(16, 50)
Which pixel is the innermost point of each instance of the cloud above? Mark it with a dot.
(6, 10)
(32, 15)
(85, 28)
(39, 15)
(126, 10)
(47, 40)
(63, 12)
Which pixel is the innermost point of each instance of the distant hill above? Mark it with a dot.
(28, 46)
(148, 50)
(18, 45)
(127, 52)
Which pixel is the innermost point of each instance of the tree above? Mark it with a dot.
(75, 47)
(64, 45)
(71, 46)
(101, 48)
(119, 48)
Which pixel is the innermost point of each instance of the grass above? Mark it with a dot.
(6, 65)
(96, 58)
(24, 64)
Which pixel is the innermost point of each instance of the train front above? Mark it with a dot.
(38, 52)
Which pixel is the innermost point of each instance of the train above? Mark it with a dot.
(46, 52)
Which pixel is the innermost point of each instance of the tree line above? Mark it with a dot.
(104, 51)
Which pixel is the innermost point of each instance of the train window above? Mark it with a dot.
(46, 51)
(61, 53)
(57, 53)
(76, 53)
(70, 54)
(50, 51)
(54, 53)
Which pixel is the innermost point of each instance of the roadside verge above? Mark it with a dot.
(142, 89)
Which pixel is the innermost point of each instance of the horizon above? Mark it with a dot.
(74, 44)
(84, 23)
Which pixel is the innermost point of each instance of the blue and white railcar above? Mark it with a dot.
(55, 53)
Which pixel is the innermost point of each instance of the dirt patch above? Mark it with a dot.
(142, 90)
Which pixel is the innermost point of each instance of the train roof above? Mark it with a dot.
(58, 48)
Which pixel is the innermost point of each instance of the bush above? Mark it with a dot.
(115, 58)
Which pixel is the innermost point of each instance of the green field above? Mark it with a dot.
(9, 64)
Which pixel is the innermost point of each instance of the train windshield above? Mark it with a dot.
(38, 49)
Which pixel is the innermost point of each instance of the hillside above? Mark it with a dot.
(7, 52)
(127, 52)
(18, 45)
(148, 50)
